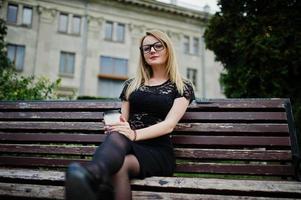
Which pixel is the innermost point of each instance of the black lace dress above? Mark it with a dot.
(148, 106)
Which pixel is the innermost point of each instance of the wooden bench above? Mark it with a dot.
(225, 148)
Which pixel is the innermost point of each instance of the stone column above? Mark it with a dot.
(94, 27)
(43, 64)
(137, 32)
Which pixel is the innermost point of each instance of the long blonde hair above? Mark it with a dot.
(144, 71)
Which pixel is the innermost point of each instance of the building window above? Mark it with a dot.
(16, 54)
(186, 45)
(109, 31)
(27, 16)
(196, 46)
(120, 31)
(76, 25)
(192, 76)
(112, 74)
(12, 13)
(67, 63)
(63, 23)
(115, 31)
(109, 88)
(114, 67)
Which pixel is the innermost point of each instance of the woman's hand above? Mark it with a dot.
(123, 127)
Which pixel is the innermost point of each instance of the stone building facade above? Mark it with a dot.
(92, 45)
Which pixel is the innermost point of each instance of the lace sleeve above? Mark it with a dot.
(188, 92)
(122, 96)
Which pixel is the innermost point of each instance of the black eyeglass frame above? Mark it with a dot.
(152, 45)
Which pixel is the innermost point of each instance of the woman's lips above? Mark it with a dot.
(153, 57)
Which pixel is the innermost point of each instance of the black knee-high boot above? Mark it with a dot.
(109, 156)
(93, 179)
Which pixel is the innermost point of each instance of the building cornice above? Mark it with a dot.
(165, 7)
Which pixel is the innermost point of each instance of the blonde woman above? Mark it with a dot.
(139, 145)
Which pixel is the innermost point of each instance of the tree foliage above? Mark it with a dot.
(16, 87)
(259, 44)
(4, 62)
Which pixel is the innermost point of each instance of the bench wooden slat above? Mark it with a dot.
(214, 128)
(101, 105)
(232, 141)
(192, 185)
(65, 116)
(255, 169)
(31, 191)
(222, 128)
(189, 116)
(236, 169)
(37, 161)
(49, 137)
(76, 126)
(235, 116)
(58, 105)
(233, 154)
(142, 195)
(223, 154)
(47, 149)
(197, 183)
(241, 103)
(218, 186)
(177, 139)
(57, 192)
(27, 175)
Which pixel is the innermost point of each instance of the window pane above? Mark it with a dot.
(67, 63)
(188, 74)
(70, 64)
(109, 31)
(120, 67)
(11, 52)
(12, 13)
(16, 54)
(62, 63)
(186, 44)
(27, 16)
(192, 76)
(106, 65)
(63, 23)
(120, 32)
(196, 45)
(20, 57)
(76, 25)
(109, 88)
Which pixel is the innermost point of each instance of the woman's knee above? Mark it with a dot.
(130, 166)
(116, 138)
(114, 135)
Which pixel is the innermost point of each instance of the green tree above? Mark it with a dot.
(259, 44)
(4, 62)
(16, 87)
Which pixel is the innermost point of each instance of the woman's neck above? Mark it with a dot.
(159, 73)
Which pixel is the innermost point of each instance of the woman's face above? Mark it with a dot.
(154, 51)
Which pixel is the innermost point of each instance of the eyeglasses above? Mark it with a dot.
(158, 46)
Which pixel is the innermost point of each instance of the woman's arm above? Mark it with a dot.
(125, 110)
(166, 126)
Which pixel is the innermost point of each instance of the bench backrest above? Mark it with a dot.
(238, 137)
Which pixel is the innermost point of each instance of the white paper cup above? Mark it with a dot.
(111, 117)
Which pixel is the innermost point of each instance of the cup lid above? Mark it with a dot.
(111, 112)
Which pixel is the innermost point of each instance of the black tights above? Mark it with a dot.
(113, 157)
